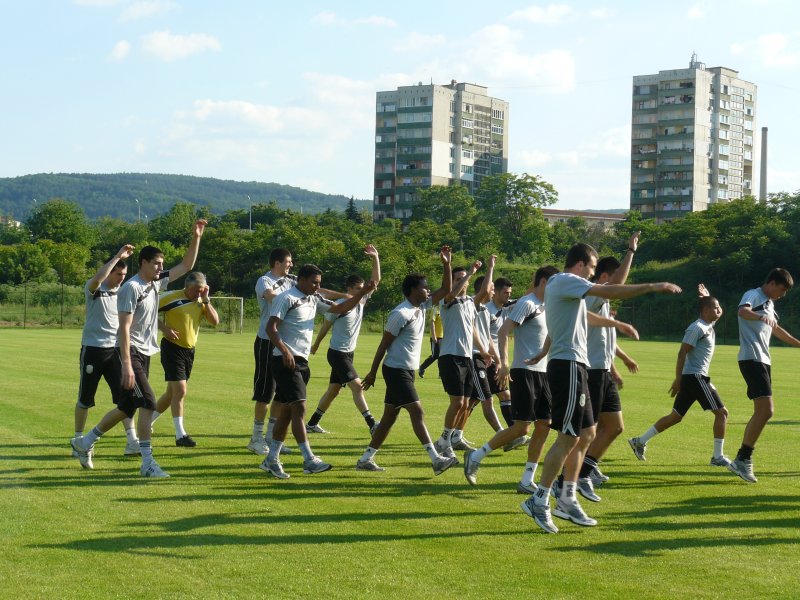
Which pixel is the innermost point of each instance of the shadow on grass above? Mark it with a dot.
(660, 546)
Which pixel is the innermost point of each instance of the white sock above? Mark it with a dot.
(270, 427)
(79, 434)
(481, 453)
(179, 430)
(369, 454)
(131, 435)
(445, 439)
(275, 449)
(718, 443)
(156, 414)
(147, 453)
(542, 496)
(456, 435)
(529, 473)
(431, 450)
(305, 450)
(648, 435)
(568, 491)
(258, 429)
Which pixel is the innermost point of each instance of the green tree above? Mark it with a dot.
(67, 259)
(23, 263)
(176, 225)
(351, 212)
(61, 221)
(512, 203)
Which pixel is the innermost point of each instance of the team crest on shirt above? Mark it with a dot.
(482, 374)
(582, 400)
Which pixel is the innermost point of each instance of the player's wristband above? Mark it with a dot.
(631, 250)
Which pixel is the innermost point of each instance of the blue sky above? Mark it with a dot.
(266, 91)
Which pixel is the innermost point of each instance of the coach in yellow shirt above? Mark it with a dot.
(181, 312)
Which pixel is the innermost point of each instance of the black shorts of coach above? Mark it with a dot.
(457, 376)
(95, 363)
(481, 388)
(263, 382)
(603, 392)
(758, 377)
(290, 384)
(342, 369)
(572, 406)
(400, 388)
(176, 360)
(142, 395)
(530, 396)
(696, 388)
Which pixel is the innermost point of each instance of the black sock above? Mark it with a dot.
(315, 418)
(745, 452)
(505, 408)
(588, 465)
(368, 418)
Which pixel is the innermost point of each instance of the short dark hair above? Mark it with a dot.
(352, 281)
(121, 264)
(706, 302)
(148, 253)
(544, 273)
(502, 282)
(278, 255)
(607, 264)
(478, 283)
(579, 252)
(781, 277)
(309, 270)
(459, 270)
(411, 282)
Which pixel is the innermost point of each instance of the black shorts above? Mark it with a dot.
(96, 363)
(177, 361)
(530, 396)
(263, 382)
(400, 388)
(342, 369)
(758, 377)
(456, 374)
(481, 388)
(290, 384)
(572, 406)
(491, 374)
(142, 395)
(696, 388)
(604, 393)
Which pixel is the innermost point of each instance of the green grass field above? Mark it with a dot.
(221, 528)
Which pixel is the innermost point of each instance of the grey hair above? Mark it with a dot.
(195, 278)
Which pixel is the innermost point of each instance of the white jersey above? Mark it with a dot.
(700, 336)
(140, 298)
(102, 321)
(345, 328)
(531, 332)
(458, 320)
(566, 316)
(483, 327)
(296, 312)
(277, 284)
(601, 341)
(754, 335)
(407, 324)
(497, 316)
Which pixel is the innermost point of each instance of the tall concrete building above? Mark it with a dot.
(435, 135)
(692, 141)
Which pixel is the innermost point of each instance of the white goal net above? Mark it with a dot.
(231, 313)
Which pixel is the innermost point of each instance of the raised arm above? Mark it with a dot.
(446, 256)
(369, 378)
(621, 274)
(323, 331)
(485, 293)
(351, 301)
(371, 251)
(190, 256)
(209, 312)
(104, 271)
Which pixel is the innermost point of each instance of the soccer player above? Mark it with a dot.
(182, 311)
(98, 357)
(498, 309)
(758, 322)
(530, 394)
(455, 359)
(345, 328)
(692, 383)
(273, 283)
(437, 333)
(401, 344)
(290, 329)
(572, 418)
(137, 341)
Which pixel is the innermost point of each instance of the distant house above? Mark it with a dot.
(562, 215)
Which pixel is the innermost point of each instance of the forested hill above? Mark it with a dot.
(115, 195)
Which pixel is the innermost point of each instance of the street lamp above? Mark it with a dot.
(139, 207)
(251, 213)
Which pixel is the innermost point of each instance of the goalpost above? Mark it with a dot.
(231, 313)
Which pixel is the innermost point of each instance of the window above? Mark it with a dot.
(467, 108)
(452, 168)
(468, 123)
(497, 160)
(724, 149)
(467, 154)
(498, 114)
(466, 169)
(497, 129)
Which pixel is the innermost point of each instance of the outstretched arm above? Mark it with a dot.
(458, 286)
(784, 336)
(189, 258)
(104, 271)
(351, 301)
(596, 320)
(376, 263)
(446, 256)
(621, 292)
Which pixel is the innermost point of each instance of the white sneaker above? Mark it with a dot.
(153, 470)
(132, 448)
(530, 490)
(446, 451)
(315, 429)
(315, 465)
(75, 452)
(516, 443)
(258, 446)
(540, 515)
(84, 456)
(471, 468)
(274, 468)
(720, 461)
(440, 464)
(597, 477)
(586, 488)
(638, 448)
(743, 468)
(572, 511)
(368, 465)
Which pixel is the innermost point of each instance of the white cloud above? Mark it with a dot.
(328, 18)
(552, 14)
(696, 12)
(120, 51)
(601, 13)
(420, 43)
(773, 49)
(169, 47)
(143, 9)
(530, 161)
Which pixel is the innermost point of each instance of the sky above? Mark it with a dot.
(284, 92)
